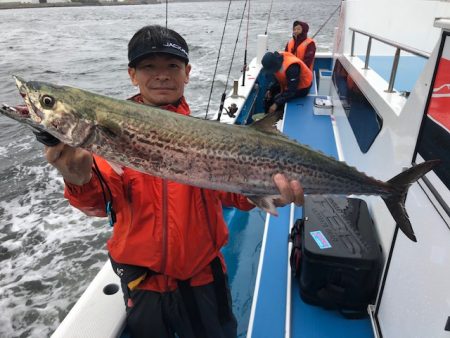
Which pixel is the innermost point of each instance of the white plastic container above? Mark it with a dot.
(323, 105)
(324, 82)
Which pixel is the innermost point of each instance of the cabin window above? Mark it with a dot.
(363, 119)
(434, 137)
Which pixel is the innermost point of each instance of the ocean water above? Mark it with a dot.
(49, 251)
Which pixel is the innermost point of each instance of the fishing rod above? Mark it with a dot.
(323, 25)
(268, 18)
(217, 63)
(219, 115)
(235, 45)
(167, 10)
(246, 43)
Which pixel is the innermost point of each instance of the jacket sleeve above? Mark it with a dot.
(87, 197)
(235, 200)
(310, 53)
(293, 77)
(90, 197)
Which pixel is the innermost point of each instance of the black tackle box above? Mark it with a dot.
(336, 255)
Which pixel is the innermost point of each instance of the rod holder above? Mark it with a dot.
(235, 87)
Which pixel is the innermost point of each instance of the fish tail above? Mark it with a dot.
(396, 202)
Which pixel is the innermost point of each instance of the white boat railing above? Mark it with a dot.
(399, 47)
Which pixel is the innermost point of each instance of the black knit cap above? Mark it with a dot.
(156, 39)
(272, 62)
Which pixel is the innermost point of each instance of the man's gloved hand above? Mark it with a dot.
(45, 138)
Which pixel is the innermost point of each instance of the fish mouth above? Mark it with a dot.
(20, 114)
(24, 90)
(16, 112)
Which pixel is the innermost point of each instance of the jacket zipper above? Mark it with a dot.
(165, 230)
(130, 201)
(205, 206)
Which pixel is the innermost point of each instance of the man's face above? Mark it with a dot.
(161, 79)
(297, 30)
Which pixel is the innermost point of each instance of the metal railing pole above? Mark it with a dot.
(408, 49)
(353, 44)
(399, 47)
(394, 71)
(369, 45)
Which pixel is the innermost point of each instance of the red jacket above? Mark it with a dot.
(171, 228)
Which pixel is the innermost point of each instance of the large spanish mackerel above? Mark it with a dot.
(200, 152)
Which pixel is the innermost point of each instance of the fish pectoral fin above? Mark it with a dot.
(266, 203)
(267, 123)
(258, 116)
(110, 129)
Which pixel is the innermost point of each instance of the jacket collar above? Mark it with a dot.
(180, 107)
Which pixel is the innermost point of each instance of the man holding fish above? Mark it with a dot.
(167, 236)
(163, 177)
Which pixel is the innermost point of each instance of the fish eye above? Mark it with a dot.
(47, 101)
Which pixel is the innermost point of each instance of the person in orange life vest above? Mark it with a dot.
(300, 45)
(167, 236)
(291, 78)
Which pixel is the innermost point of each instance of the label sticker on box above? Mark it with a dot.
(320, 239)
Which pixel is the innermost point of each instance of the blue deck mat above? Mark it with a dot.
(309, 321)
(242, 257)
(306, 321)
(271, 302)
(408, 71)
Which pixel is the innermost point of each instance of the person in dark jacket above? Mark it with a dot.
(291, 78)
(300, 45)
(167, 236)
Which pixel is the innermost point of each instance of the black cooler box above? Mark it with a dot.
(339, 257)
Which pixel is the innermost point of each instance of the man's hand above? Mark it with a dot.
(74, 164)
(290, 191)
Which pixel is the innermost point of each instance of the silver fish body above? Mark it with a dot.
(203, 153)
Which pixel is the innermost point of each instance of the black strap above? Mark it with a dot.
(296, 252)
(354, 314)
(191, 308)
(332, 295)
(109, 209)
(128, 273)
(220, 288)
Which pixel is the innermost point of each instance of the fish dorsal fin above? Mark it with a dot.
(268, 123)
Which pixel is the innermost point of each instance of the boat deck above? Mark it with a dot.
(306, 321)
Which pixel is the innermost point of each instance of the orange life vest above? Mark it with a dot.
(173, 229)
(301, 49)
(305, 72)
